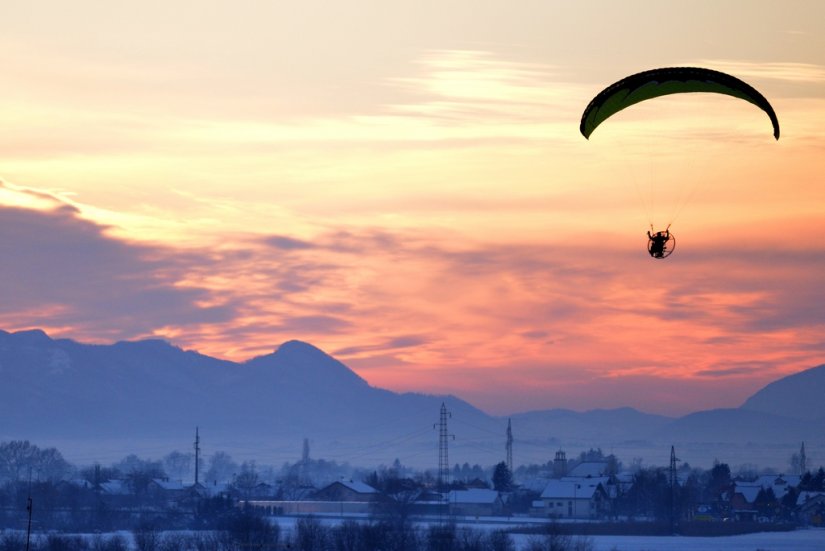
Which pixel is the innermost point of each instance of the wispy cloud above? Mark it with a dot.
(67, 273)
(430, 214)
(409, 305)
(24, 197)
(786, 71)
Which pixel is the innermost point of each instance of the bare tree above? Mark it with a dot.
(178, 465)
(310, 535)
(19, 458)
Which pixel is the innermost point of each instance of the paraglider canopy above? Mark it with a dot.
(661, 82)
(669, 80)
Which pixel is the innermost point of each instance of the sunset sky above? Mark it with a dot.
(404, 185)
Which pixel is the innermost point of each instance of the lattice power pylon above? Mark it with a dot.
(443, 458)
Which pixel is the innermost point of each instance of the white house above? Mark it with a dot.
(582, 498)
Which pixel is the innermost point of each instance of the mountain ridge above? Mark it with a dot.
(796, 395)
(152, 390)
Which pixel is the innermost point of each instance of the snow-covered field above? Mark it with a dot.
(799, 540)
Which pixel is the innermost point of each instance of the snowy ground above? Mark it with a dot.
(799, 540)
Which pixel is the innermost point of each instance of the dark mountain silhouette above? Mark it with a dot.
(102, 402)
(801, 395)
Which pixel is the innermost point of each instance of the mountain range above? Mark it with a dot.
(103, 402)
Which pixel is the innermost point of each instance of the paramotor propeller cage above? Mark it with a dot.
(667, 250)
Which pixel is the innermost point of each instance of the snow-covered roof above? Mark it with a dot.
(589, 468)
(804, 497)
(603, 480)
(778, 480)
(749, 491)
(358, 487)
(473, 495)
(534, 484)
(80, 483)
(166, 484)
(115, 487)
(780, 484)
(583, 488)
(625, 477)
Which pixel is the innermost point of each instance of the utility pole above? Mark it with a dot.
(197, 454)
(29, 510)
(673, 482)
(304, 474)
(509, 446)
(305, 452)
(803, 461)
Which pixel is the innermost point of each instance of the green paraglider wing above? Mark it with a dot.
(669, 80)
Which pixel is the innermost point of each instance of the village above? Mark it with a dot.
(589, 489)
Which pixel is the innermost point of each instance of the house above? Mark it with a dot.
(535, 484)
(477, 483)
(743, 501)
(624, 481)
(582, 498)
(475, 502)
(115, 487)
(811, 508)
(424, 502)
(163, 488)
(789, 480)
(343, 497)
(347, 490)
(780, 484)
(213, 489)
(260, 490)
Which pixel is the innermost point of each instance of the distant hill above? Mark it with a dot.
(102, 402)
(603, 425)
(801, 396)
(151, 395)
(737, 426)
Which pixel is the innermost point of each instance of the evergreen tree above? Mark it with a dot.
(502, 478)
